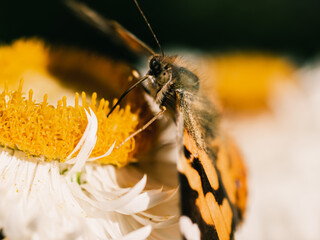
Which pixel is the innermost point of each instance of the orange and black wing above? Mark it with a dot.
(233, 172)
(212, 181)
(213, 188)
(111, 28)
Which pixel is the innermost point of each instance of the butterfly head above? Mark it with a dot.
(160, 73)
(155, 65)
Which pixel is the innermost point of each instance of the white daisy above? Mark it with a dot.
(76, 199)
(47, 194)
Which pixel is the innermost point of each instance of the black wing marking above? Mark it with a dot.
(204, 198)
(110, 27)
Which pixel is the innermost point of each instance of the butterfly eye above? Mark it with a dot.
(155, 66)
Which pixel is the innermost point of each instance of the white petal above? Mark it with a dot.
(88, 144)
(146, 200)
(104, 155)
(188, 229)
(139, 234)
(81, 142)
(109, 205)
(156, 222)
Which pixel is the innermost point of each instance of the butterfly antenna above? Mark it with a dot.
(126, 92)
(146, 20)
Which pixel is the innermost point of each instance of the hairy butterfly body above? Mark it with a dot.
(211, 172)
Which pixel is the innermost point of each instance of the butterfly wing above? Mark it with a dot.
(212, 181)
(110, 27)
(233, 172)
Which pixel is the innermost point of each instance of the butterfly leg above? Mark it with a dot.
(163, 109)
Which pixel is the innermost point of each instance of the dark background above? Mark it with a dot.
(281, 26)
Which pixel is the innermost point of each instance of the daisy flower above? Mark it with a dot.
(62, 174)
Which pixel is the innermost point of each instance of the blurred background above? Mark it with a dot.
(281, 26)
(261, 62)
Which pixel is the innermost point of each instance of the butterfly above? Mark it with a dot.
(212, 174)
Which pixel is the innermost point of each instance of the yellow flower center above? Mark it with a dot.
(41, 129)
(244, 81)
